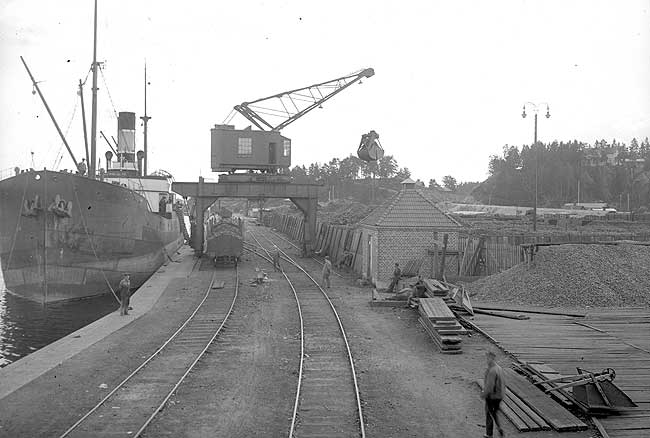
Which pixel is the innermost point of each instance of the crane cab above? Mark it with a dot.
(247, 149)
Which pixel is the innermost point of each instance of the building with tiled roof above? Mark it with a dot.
(406, 227)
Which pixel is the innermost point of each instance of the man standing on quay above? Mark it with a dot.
(327, 270)
(397, 273)
(494, 388)
(125, 291)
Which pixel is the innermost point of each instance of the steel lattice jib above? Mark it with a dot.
(247, 149)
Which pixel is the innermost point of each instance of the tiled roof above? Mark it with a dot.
(409, 208)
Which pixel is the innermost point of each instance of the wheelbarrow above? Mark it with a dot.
(594, 393)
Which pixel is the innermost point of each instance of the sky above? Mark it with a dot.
(450, 81)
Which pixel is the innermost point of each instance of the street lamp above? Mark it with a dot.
(535, 109)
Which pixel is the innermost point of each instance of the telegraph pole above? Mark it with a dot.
(535, 108)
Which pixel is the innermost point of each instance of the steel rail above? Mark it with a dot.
(155, 354)
(343, 335)
(299, 249)
(302, 337)
(198, 357)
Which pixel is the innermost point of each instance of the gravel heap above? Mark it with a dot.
(343, 212)
(574, 275)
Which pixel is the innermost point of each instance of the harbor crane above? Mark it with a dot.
(369, 148)
(285, 108)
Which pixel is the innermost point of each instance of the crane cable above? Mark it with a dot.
(59, 155)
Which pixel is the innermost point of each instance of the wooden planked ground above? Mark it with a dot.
(615, 338)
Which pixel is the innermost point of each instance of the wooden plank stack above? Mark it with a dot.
(435, 288)
(441, 324)
(538, 405)
(539, 372)
(519, 414)
(529, 409)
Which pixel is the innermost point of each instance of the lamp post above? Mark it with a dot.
(535, 109)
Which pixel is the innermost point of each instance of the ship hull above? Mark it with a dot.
(64, 236)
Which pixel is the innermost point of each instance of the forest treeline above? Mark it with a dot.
(569, 172)
(351, 168)
(337, 174)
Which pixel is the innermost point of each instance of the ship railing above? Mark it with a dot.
(7, 173)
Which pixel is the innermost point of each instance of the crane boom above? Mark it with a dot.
(289, 106)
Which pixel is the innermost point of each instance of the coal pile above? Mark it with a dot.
(343, 212)
(574, 275)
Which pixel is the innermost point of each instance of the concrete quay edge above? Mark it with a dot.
(18, 374)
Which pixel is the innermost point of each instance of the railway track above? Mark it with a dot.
(133, 404)
(289, 242)
(327, 402)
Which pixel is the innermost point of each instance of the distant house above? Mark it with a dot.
(585, 205)
(404, 228)
(439, 188)
(601, 156)
(635, 163)
(611, 156)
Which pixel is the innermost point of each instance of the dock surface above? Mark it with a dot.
(245, 384)
(605, 338)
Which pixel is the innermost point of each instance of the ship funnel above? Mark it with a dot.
(126, 136)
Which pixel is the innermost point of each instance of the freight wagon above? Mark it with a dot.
(224, 240)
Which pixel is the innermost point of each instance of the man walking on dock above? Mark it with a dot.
(125, 291)
(494, 388)
(276, 260)
(327, 270)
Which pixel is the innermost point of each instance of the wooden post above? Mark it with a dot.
(441, 268)
(434, 261)
(462, 262)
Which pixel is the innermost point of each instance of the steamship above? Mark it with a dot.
(67, 235)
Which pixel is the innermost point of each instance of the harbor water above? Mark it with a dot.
(26, 326)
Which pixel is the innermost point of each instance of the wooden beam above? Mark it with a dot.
(441, 269)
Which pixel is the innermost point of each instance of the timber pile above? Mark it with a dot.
(520, 415)
(529, 409)
(435, 288)
(573, 275)
(539, 372)
(412, 267)
(540, 404)
(441, 325)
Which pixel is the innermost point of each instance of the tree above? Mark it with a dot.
(387, 166)
(634, 148)
(432, 183)
(402, 174)
(644, 148)
(449, 182)
(314, 171)
(350, 167)
(298, 171)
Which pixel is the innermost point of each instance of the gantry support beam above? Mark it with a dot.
(305, 196)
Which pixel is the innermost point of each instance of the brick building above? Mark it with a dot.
(402, 229)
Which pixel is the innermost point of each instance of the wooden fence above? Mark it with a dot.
(342, 243)
(491, 254)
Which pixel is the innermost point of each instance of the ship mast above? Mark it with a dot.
(145, 119)
(83, 118)
(93, 126)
